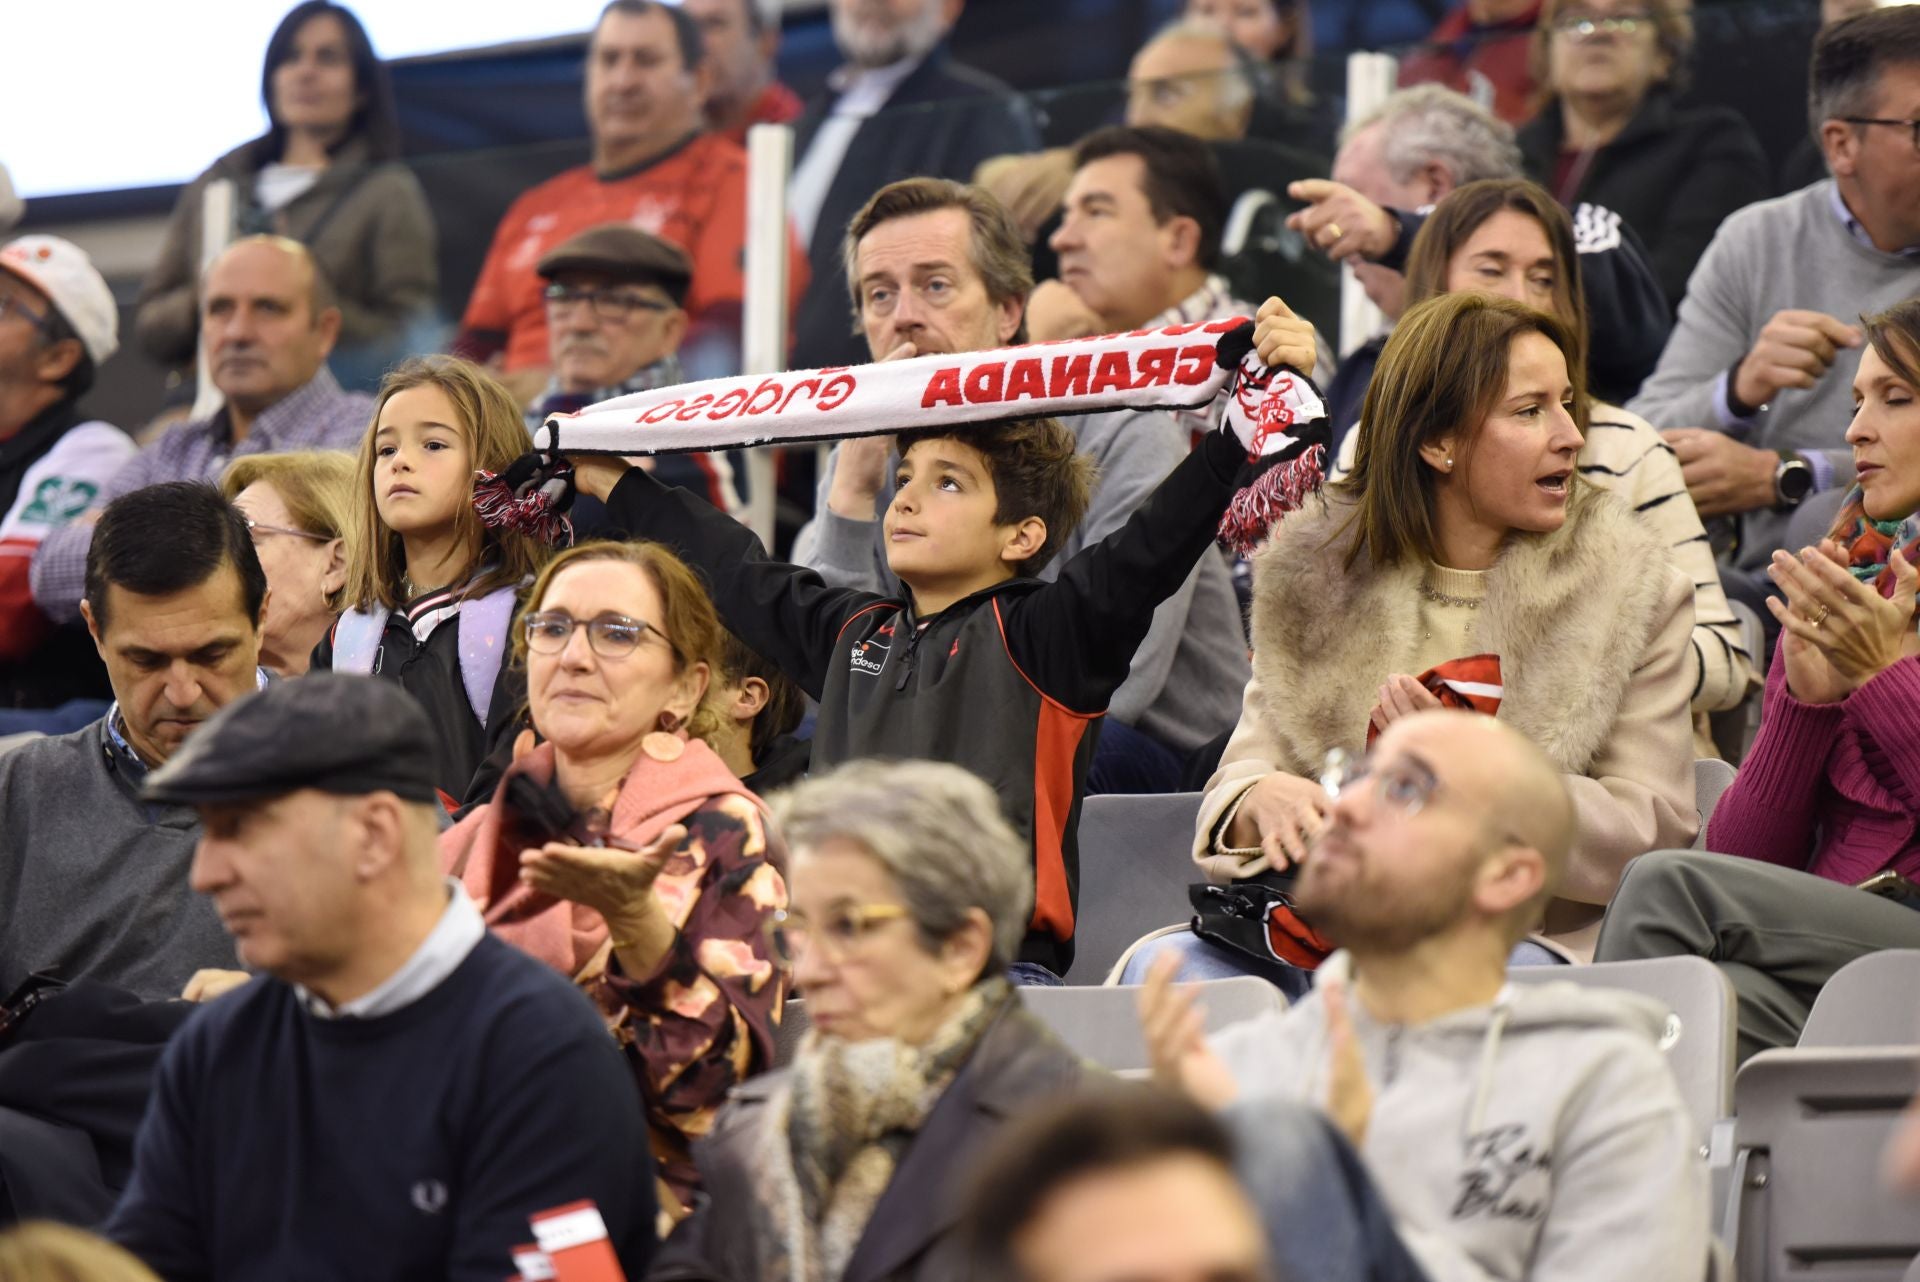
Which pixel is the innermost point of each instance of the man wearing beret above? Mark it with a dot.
(397, 1091)
(616, 314)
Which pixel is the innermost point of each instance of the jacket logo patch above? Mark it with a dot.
(1506, 1177)
(870, 656)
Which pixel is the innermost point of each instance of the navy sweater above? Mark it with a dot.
(410, 1146)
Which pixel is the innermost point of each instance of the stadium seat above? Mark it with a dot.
(1135, 867)
(1102, 1024)
(1711, 778)
(1809, 1201)
(1868, 1002)
(1699, 1039)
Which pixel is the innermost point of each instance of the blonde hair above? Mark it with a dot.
(316, 486)
(496, 435)
(41, 1251)
(688, 620)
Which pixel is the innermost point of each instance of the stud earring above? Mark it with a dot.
(1449, 462)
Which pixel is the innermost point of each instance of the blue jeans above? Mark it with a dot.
(1033, 975)
(1323, 1216)
(1131, 761)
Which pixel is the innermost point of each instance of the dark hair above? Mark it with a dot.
(686, 32)
(1848, 58)
(58, 329)
(785, 704)
(1037, 471)
(167, 538)
(375, 118)
(1182, 179)
(1086, 1133)
(1460, 214)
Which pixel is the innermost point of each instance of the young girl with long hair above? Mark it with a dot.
(431, 590)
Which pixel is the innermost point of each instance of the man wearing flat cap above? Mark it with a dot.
(616, 316)
(397, 1091)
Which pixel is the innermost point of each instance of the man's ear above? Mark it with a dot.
(260, 621)
(1182, 239)
(675, 327)
(57, 360)
(93, 627)
(327, 326)
(1008, 313)
(1023, 540)
(1437, 180)
(1509, 879)
(748, 699)
(1840, 144)
(381, 818)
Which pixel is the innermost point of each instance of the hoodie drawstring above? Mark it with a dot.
(1489, 1049)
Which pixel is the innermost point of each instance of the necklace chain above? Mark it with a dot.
(1438, 597)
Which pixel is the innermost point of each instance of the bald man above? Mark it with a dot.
(1510, 1131)
(268, 320)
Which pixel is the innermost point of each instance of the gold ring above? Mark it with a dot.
(1821, 617)
(1335, 229)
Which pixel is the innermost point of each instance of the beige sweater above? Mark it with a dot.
(1592, 627)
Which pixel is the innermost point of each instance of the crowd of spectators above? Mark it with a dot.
(421, 826)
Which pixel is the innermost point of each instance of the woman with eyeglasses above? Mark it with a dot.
(910, 898)
(1609, 132)
(298, 507)
(621, 850)
(1464, 562)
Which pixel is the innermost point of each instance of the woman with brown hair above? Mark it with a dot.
(1608, 131)
(622, 851)
(1508, 237)
(1465, 553)
(1823, 808)
(431, 587)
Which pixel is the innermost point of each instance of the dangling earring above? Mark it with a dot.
(664, 745)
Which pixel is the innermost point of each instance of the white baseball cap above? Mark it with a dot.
(62, 271)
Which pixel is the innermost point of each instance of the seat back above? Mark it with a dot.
(1813, 520)
(1711, 778)
(1809, 1130)
(1135, 866)
(1102, 1024)
(1699, 1038)
(1868, 1002)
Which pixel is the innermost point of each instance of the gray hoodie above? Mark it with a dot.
(1539, 1138)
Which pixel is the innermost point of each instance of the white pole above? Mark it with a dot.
(763, 338)
(1370, 78)
(216, 232)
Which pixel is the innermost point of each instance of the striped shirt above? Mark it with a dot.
(318, 415)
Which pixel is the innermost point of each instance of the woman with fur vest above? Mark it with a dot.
(1465, 562)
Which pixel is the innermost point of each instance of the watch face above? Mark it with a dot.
(1794, 482)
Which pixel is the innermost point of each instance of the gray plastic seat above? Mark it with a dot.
(1868, 1002)
(1809, 1201)
(1102, 1024)
(1699, 1039)
(1136, 863)
(1711, 778)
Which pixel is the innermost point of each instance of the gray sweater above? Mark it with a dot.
(1185, 683)
(93, 881)
(1790, 252)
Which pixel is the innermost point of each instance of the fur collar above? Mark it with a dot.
(1569, 614)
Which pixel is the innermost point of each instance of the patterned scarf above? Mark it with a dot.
(1868, 542)
(848, 1113)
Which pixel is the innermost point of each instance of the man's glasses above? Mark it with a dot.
(257, 528)
(1403, 785)
(13, 303)
(1911, 126)
(612, 636)
(1583, 25)
(841, 930)
(607, 304)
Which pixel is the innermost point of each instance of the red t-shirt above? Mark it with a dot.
(776, 105)
(694, 196)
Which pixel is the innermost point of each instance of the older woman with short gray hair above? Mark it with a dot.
(908, 894)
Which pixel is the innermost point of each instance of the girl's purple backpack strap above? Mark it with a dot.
(356, 640)
(484, 642)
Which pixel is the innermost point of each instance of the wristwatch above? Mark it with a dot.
(1792, 480)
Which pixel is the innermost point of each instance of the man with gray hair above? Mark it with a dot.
(859, 138)
(1756, 384)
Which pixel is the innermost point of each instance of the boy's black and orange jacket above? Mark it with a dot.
(1010, 682)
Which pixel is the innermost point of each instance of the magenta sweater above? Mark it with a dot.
(1830, 788)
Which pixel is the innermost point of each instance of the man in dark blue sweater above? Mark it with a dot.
(396, 1091)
